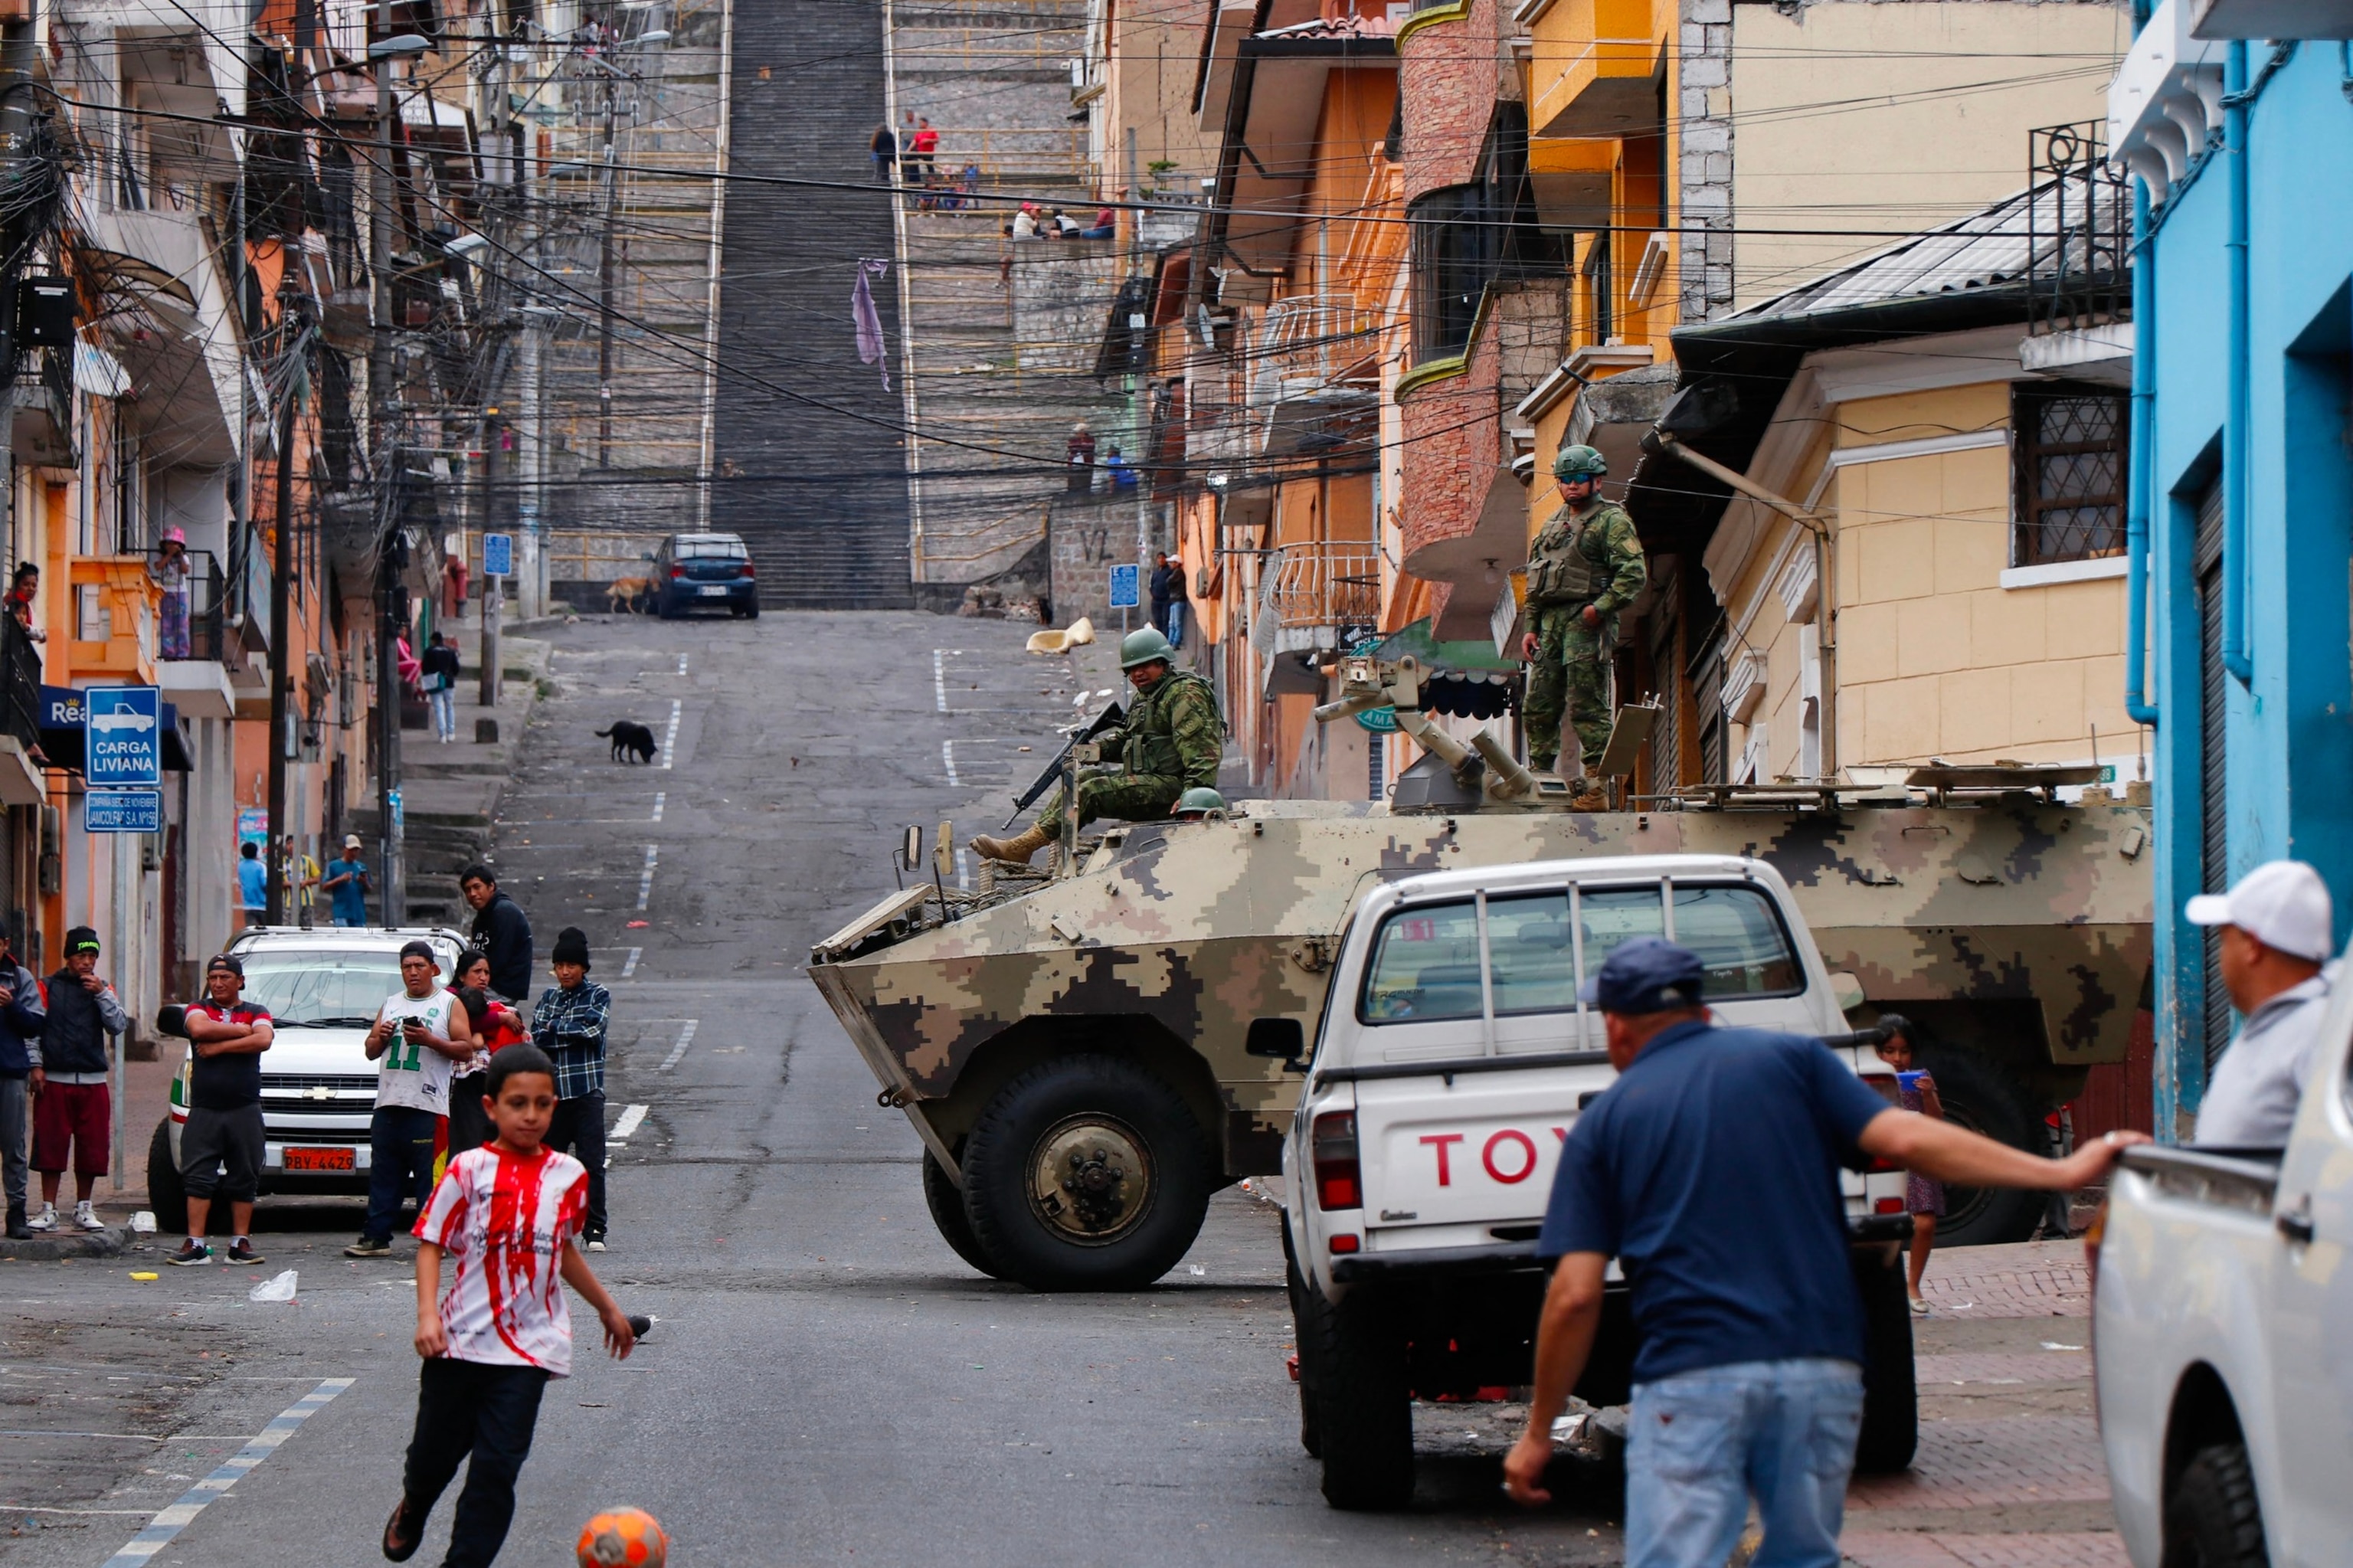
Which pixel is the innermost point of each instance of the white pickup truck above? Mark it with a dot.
(1451, 1059)
(2222, 1338)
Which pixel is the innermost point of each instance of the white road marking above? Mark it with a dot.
(669, 736)
(646, 881)
(940, 678)
(681, 664)
(167, 1525)
(963, 868)
(685, 1039)
(947, 760)
(662, 799)
(630, 967)
(627, 1124)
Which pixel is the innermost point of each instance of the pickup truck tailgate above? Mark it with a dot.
(1480, 1151)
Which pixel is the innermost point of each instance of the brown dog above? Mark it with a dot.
(628, 594)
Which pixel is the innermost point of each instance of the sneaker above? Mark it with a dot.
(596, 1243)
(47, 1220)
(370, 1246)
(191, 1252)
(241, 1251)
(87, 1218)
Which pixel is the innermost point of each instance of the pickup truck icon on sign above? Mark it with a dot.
(123, 732)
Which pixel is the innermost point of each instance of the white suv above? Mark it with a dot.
(323, 988)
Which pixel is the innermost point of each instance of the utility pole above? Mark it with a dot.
(19, 58)
(493, 588)
(280, 612)
(390, 478)
(605, 276)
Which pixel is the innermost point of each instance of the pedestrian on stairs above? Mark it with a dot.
(884, 146)
(440, 680)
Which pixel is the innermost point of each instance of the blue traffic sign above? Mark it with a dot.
(498, 555)
(122, 736)
(123, 812)
(1123, 588)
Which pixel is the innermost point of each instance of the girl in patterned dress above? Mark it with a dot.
(1924, 1196)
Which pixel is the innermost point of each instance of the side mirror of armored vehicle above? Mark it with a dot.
(1846, 990)
(172, 1020)
(1279, 1038)
(911, 849)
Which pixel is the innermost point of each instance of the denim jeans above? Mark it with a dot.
(1176, 624)
(445, 711)
(1702, 1443)
(485, 1413)
(14, 1114)
(401, 1148)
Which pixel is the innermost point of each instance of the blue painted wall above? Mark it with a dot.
(2290, 738)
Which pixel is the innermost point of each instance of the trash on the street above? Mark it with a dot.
(278, 1289)
(142, 1277)
(143, 1222)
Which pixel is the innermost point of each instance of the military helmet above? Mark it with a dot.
(1143, 647)
(1200, 798)
(1579, 463)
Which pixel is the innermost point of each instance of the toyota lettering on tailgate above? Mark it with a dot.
(1507, 1155)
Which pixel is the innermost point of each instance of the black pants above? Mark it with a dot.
(578, 1129)
(470, 1124)
(469, 1408)
(401, 1149)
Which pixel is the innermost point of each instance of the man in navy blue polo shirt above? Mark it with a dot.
(1711, 1168)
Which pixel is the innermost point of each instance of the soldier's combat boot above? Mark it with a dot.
(1591, 795)
(1018, 849)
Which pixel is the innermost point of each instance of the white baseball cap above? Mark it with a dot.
(2282, 904)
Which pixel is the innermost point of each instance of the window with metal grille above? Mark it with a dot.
(2069, 471)
(2213, 764)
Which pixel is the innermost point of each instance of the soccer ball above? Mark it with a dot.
(624, 1538)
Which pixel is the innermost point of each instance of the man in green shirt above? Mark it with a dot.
(1170, 741)
(1584, 565)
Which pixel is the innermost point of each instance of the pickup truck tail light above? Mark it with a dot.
(2093, 1236)
(1332, 1142)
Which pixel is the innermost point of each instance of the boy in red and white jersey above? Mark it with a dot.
(505, 1214)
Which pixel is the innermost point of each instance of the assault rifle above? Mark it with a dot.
(1111, 717)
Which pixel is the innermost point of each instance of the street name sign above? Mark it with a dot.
(122, 737)
(1124, 594)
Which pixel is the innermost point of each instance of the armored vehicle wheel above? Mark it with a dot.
(1364, 1404)
(164, 1194)
(1310, 1437)
(946, 1205)
(1979, 1094)
(1086, 1173)
(1890, 1398)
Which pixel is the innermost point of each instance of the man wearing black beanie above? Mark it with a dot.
(569, 1025)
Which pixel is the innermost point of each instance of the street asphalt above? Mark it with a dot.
(826, 1383)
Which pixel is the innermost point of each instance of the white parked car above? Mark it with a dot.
(2222, 1309)
(1451, 1062)
(323, 988)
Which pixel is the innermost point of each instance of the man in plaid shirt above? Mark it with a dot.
(569, 1025)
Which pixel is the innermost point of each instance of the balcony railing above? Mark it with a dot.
(1310, 341)
(20, 684)
(1314, 597)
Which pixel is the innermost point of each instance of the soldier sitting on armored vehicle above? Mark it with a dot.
(1170, 741)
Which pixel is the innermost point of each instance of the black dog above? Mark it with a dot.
(633, 738)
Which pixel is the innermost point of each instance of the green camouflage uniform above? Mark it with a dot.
(1170, 741)
(1593, 558)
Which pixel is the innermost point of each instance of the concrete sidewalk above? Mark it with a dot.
(2009, 1473)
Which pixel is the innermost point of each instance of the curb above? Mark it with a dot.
(57, 1248)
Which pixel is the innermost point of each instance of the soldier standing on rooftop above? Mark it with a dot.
(1170, 741)
(1584, 567)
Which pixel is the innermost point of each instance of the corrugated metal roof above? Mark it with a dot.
(1999, 246)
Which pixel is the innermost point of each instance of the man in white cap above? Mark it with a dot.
(2275, 935)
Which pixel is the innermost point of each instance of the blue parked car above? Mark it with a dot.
(704, 571)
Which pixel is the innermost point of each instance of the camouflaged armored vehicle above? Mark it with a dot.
(1077, 1046)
